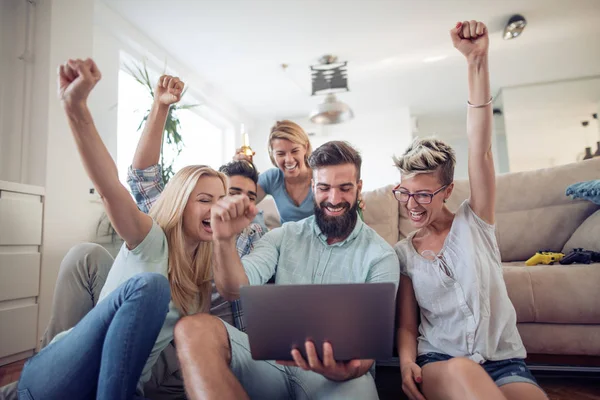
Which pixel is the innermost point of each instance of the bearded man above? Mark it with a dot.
(332, 246)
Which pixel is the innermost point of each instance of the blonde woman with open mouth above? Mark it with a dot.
(162, 272)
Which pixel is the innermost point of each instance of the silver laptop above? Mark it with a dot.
(357, 319)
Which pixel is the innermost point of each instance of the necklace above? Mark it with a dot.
(429, 254)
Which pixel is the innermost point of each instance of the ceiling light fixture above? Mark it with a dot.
(331, 111)
(328, 78)
(514, 27)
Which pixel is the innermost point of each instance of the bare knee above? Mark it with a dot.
(202, 334)
(460, 367)
(451, 371)
(457, 378)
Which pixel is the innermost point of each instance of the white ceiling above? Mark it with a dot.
(239, 45)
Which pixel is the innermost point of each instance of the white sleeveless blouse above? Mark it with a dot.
(465, 308)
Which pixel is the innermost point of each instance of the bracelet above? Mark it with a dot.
(481, 105)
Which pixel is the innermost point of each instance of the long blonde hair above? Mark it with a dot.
(290, 131)
(189, 278)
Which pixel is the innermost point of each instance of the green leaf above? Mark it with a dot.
(135, 74)
(148, 78)
(142, 122)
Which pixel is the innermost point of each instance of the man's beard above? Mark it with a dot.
(340, 226)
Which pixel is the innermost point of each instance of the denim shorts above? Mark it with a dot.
(502, 372)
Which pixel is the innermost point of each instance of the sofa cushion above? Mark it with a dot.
(381, 213)
(533, 213)
(524, 232)
(587, 236)
(561, 339)
(562, 294)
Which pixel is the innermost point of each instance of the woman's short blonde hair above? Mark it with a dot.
(291, 131)
(189, 277)
(425, 156)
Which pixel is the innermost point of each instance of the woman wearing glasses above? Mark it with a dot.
(467, 345)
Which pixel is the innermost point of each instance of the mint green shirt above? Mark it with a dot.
(151, 255)
(298, 253)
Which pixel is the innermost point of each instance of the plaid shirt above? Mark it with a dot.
(146, 186)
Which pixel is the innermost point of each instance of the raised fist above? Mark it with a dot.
(470, 38)
(76, 79)
(230, 215)
(168, 90)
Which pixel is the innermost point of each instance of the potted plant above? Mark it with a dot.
(171, 136)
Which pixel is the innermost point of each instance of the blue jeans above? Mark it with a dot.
(103, 355)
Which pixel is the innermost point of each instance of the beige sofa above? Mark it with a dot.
(558, 307)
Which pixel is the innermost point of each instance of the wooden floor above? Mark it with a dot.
(565, 389)
(11, 372)
(388, 383)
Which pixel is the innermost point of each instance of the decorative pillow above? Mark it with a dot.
(589, 190)
(587, 236)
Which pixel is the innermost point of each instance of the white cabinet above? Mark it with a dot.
(21, 216)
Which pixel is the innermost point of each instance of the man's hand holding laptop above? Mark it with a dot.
(328, 367)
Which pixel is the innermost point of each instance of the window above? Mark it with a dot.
(203, 141)
(133, 100)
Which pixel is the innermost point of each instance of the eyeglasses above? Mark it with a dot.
(422, 198)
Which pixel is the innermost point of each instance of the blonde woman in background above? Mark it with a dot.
(161, 273)
(290, 181)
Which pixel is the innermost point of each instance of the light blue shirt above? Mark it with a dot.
(298, 253)
(273, 183)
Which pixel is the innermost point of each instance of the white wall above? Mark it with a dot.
(598, 119)
(106, 53)
(543, 122)
(452, 129)
(12, 44)
(43, 93)
(378, 136)
(501, 155)
(69, 216)
(540, 126)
